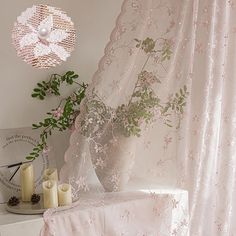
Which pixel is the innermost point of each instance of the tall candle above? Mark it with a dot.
(64, 195)
(50, 174)
(27, 182)
(50, 198)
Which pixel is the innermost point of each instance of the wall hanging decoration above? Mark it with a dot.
(44, 36)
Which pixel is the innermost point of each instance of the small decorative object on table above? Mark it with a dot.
(35, 198)
(27, 181)
(41, 202)
(64, 195)
(13, 201)
(34, 207)
(50, 196)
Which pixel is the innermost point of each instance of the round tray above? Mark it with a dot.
(27, 208)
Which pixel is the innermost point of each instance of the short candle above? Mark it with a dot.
(64, 195)
(50, 197)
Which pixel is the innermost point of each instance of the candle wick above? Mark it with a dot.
(49, 184)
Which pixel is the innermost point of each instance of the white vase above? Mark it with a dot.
(114, 166)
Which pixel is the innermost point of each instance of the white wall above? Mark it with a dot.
(94, 20)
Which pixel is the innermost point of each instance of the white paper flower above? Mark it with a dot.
(44, 36)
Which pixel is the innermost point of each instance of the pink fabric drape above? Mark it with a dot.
(134, 213)
(200, 155)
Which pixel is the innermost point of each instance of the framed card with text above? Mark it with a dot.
(15, 145)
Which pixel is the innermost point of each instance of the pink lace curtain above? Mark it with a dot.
(206, 144)
(161, 109)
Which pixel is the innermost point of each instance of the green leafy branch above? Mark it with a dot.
(144, 105)
(62, 117)
(53, 85)
(176, 103)
(141, 109)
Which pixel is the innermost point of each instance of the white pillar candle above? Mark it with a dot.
(50, 174)
(27, 182)
(64, 195)
(50, 198)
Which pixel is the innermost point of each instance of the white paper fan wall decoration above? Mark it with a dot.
(43, 36)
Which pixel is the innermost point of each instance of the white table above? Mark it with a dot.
(135, 213)
(19, 225)
(109, 214)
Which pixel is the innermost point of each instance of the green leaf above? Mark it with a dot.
(69, 73)
(75, 76)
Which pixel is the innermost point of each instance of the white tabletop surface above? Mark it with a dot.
(149, 211)
(9, 218)
(31, 225)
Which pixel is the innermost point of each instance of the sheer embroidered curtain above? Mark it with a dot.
(158, 53)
